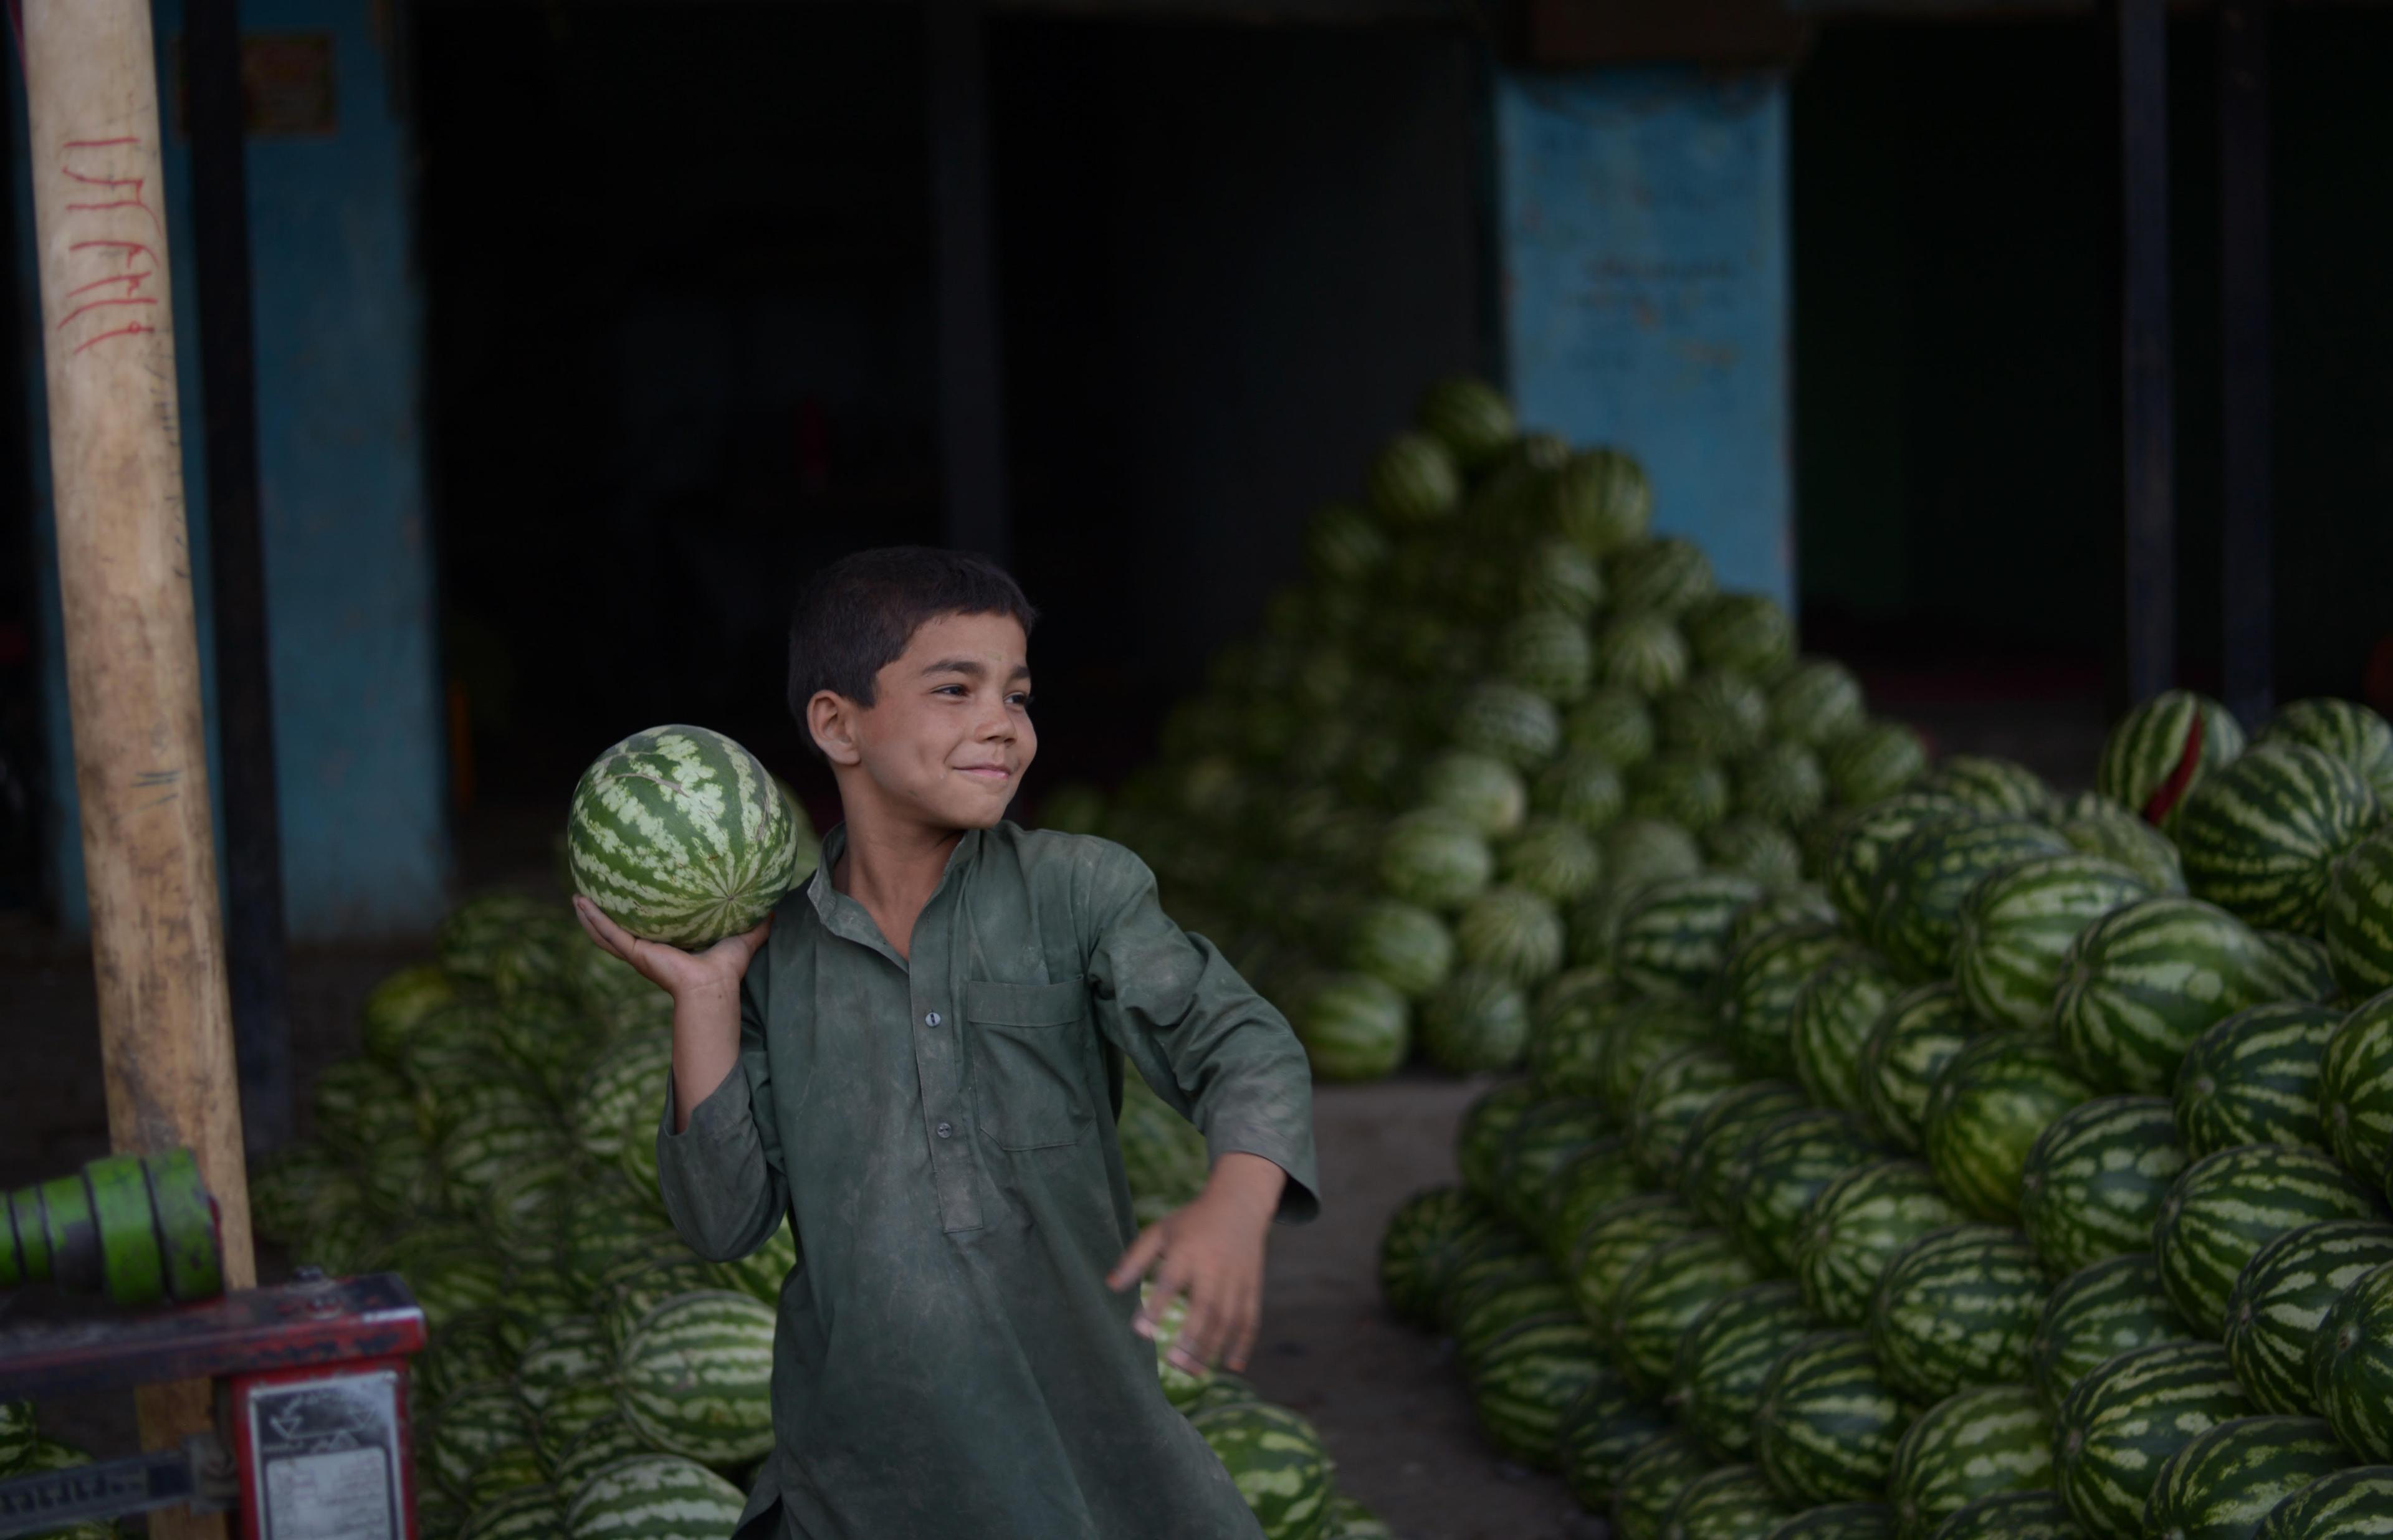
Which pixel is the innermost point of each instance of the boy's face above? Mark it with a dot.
(949, 735)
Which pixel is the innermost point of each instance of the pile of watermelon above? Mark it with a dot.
(1495, 709)
(2017, 1172)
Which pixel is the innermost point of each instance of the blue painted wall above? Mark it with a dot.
(1641, 223)
(359, 743)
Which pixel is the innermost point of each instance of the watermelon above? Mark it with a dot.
(1568, 1032)
(1524, 1382)
(1554, 860)
(1715, 1170)
(1510, 933)
(2253, 1079)
(1649, 1481)
(2096, 1313)
(1781, 782)
(629, 1074)
(511, 942)
(1593, 1180)
(1431, 858)
(2036, 1515)
(2001, 786)
(1685, 789)
(1639, 849)
(1602, 501)
(2095, 825)
(18, 1434)
(1662, 575)
(2344, 730)
(1546, 652)
(1413, 482)
(2258, 835)
(2352, 1364)
(357, 1103)
(1558, 576)
(1619, 1238)
(1755, 848)
(512, 1469)
(1351, 1521)
(528, 1513)
(1612, 724)
(2226, 1478)
(1602, 1429)
(1815, 703)
(2356, 1090)
(1839, 1521)
(1857, 1226)
(1428, 1237)
(1342, 545)
(1276, 1461)
(470, 1427)
(1831, 1019)
(1827, 1423)
(1669, 1100)
(1759, 980)
(654, 1497)
(1644, 1034)
(2017, 925)
(2354, 1503)
(1731, 1503)
(1642, 651)
(1505, 1263)
(1716, 1378)
(400, 1003)
(2225, 1207)
(1801, 902)
(1542, 1141)
(1925, 881)
(1660, 1296)
(1507, 722)
(1470, 417)
(695, 1376)
(1786, 1165)
(1480, 790)
(2280, 1298)
(1866, 838)
(1908, 1046)
(1484, 1127)
(1746, 634)
(1476, 1021)
(602, 1443)
(1873, 761)
(1957, 1308)
(1354, 1027)
(1582, 788)
(1976, 1443)
(2161, 751)
(2145, 980)
(2305, 968)
(1714, 715)
(2356, 916)
(1986, 1109)
(679, 835)
(2095, 1178)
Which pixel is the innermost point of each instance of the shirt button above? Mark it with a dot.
(946, 1129)
(931, 1020)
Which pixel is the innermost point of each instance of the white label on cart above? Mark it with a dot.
(343, 1495)
(326, 1454)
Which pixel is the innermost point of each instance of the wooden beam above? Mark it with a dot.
(972, 385)
(133, 677)
(2149, 437)
(2246, 597)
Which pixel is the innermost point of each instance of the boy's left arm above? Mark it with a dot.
(1220, 1053)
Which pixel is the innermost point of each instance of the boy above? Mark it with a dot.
(917, 1057)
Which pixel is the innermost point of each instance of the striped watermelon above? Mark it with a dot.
(2281, 1298)
(2259, 835)
(1715, 1167)
(678, 834)
(2352, 1364)
(2253, 1079)
(2144, 981)
(1602, 1429)
(1957, 1308)
(1603, 501)
(2004, 787)
(1682, 789)
(654, 1497)
(1831, 1019)
(1507, 722)
(2354, 1503)
(400, 1003)
(1402, 945)
(2017, 925)
(1476, 1022)
(1755, 848)
(1839, 1521)
(1354, 1027)
(1874, 761)
(1480, 790)
(1639, 849)
(1787, 1163)
(1413, 482)
(2094, 1181)
(1523, 1383)
(526, 1513)
(561, 1355)
(1470, 417)
(1663, 575)
(2356, 1090)
(1342, 545)
(1661, 1295)
(1986, 1109)
(2128, 1417)
(1485, 1128)
(1543, 1139)
(1716, 1378)
(1816, 702)
(1427, 1239)
(2225, 1207)
(1644, 1034)
(1714, 715)
(1614, 724)
(2036, 1515)
(1857, 1226)
(602, 1443)
(1867, 837)
(1600, 1174)
(696, 1377)
(18, 1434)
(2106, 1309)
(629, 1074)
(1507, 1285)
(1733, 1502)
(2356, 916)
(1581, 789)
(2111, 832)
(1995, 1438)
(1434, 859)
(2344, 730)
(2305, 969)
(1758, 982)
(1556, 575)
(1620, 1237)
(1829, 1420)
(1781, 782)
(471, 1427)
(1925, 881)
(1649, 1481)
(1669, 1100)
(1555, 860)
(2226, 1478)
(1788, 903)
(1672, 937)
(2158, 753)
(1276, 1461)
(1746, 634)
(1642, 652)
(514, 1469)
(1511, 933)
(1908, 1046)
(1568, 1028)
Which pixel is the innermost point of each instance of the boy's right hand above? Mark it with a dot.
(678, 973)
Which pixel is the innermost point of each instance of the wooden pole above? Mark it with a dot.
(133, 682)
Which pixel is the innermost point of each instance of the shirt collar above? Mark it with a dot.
(825, 897)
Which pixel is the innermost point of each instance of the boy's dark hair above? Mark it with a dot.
(855, 617)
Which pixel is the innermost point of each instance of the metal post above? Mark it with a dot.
(254, 928)
(2246, 597)
(972, 386)
(133, 677)
(2152, 543)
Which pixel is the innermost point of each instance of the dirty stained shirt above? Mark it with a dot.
(939, 1131)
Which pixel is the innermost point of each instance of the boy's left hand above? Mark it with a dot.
(1212, 1250)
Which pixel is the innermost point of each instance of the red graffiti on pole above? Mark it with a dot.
(111, 304)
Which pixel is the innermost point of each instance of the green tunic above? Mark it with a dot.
(948, 1360)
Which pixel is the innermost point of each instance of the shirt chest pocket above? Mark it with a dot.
(1031, 1049)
